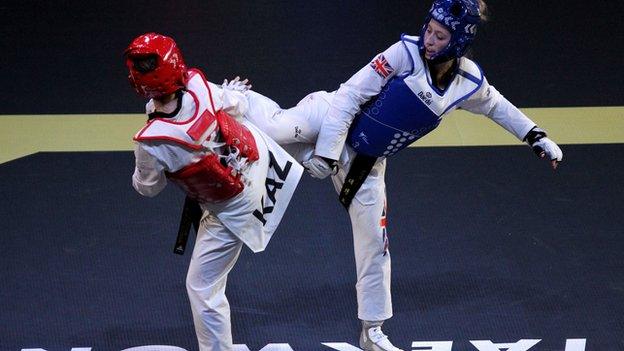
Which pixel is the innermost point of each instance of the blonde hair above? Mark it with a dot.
(483, 9)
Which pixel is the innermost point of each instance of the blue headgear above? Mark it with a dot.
(461, 18)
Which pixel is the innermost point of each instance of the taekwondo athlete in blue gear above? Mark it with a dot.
(400, 96)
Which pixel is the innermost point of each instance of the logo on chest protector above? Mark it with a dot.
(425, 97)
(363, 137)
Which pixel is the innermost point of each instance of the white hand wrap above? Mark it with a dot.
(550, 149)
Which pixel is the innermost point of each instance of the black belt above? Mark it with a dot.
(191, 215)
(360, 168)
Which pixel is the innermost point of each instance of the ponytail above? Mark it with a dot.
(483, 9)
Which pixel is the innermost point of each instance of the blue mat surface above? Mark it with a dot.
(487, 244)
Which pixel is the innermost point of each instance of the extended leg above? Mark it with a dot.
(299, 124)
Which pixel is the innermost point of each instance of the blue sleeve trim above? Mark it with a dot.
(472, 78)
(469, 76)
(403, 40)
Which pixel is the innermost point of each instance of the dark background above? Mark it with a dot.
(66, 56)
(487, 242)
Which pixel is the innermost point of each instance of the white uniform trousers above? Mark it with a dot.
(296, 129)
(370, 242)
(215, 253)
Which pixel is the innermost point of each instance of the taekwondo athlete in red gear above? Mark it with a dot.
(196, 137)
(394, 100)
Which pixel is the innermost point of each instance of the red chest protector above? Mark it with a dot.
(210, 179)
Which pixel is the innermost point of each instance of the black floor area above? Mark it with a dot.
(487, 244)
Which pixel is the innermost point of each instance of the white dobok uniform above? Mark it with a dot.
(323, 121)
(181, 139)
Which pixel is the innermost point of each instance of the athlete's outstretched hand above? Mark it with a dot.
(544, 147)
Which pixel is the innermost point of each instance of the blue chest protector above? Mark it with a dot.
(409, 106)
(391, 121)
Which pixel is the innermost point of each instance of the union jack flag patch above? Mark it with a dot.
(381, 66)
(382, 224)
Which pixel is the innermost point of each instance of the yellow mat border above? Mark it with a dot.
(22, 135)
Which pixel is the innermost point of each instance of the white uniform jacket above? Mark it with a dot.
(164, 145)
(403, 58)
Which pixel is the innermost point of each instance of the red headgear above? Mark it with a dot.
(169, 72)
